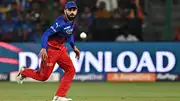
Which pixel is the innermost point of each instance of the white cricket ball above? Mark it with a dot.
(83, 35)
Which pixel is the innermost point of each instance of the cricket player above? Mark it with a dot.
(53, 51)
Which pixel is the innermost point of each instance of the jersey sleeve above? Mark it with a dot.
(71, 40)
(56, 26)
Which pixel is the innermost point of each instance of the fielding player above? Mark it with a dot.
(53, 50)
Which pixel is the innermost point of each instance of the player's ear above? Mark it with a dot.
(64, 11)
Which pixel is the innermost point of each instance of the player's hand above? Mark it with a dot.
(76, 50)
(43, 54)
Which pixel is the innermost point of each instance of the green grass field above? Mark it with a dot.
(92, 91)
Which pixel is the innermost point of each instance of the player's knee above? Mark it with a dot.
(45, 78)
(73, 71)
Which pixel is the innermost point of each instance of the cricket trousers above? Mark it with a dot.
(61, 57)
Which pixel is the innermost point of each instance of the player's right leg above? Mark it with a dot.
(69, 70)
(45, 71)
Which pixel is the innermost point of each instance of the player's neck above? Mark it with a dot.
(71, 21)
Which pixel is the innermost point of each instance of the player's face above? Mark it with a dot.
(71, 13)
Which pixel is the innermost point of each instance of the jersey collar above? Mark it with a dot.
(66, 20)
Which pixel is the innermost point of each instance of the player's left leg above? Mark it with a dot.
(45, 71)
(66, 64)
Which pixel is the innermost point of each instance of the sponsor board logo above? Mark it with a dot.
(102, 62)
(4, 77)
(131, 77)
(89, 77)
(55, 77)
(167, 77)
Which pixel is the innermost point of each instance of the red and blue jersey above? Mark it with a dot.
(60, 32)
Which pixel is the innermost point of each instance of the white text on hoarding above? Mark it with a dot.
(102, 62)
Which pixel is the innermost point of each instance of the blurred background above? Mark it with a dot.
(101, 20)
(120, 41)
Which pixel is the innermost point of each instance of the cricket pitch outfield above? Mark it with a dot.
(92, 91)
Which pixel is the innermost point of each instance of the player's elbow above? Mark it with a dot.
(47, 33)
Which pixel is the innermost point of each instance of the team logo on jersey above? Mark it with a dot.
(68, 30)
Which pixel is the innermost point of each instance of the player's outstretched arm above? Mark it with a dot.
(72, 43)
(45, 37)
(56, 26)
(76, 50)
(43, 52)
(52, 30)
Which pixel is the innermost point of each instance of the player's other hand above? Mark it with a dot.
(76, 50)
(43, 54)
